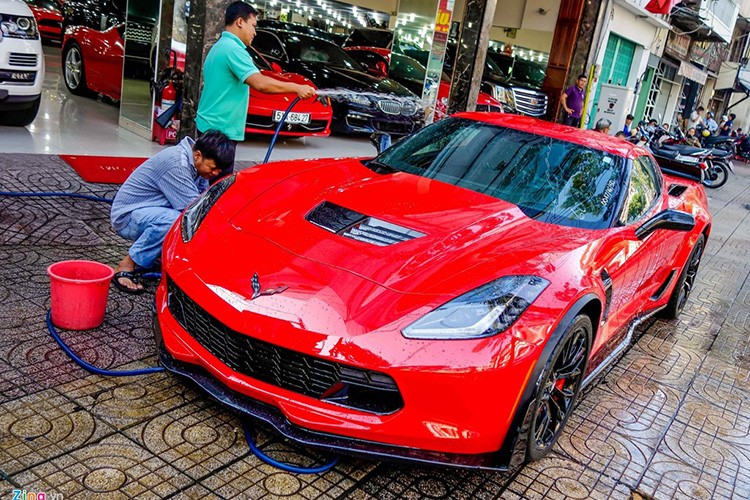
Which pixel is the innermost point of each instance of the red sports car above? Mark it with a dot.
(93, 59)
(444, 301)
(49, 18)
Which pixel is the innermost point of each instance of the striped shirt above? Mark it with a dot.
(168, 179)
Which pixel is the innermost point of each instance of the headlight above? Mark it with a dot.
(504, 95)
(358, 99)
(484, 311)
(18, 27)
(198, 209)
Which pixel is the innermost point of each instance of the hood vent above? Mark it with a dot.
(351, 224)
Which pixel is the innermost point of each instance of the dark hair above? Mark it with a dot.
(216, 146)
(238, 10)
(630, 117)
(701, 108)
(732, 116)
(583, 76)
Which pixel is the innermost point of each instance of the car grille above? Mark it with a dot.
(357, 226)
(27, 60)
(137, 34)
(398, 128)
(304, 374)
(530, 102)
(390, 107)
(50, 22)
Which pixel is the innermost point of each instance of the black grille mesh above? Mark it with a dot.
(344, 385)
(252, 357)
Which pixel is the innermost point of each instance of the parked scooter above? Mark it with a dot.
(708, 166)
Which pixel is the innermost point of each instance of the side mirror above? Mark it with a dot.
(381, 141)
(275, 66)
(673, 220)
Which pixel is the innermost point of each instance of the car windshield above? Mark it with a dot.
(550, 180)
(317, 50)
(408, 67)
(529, 72)
(369, 38)
(258, 59)
(45, 4)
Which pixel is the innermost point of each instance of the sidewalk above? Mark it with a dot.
(670, 420)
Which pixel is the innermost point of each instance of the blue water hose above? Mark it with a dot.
(89, 367)
(278, 128)
(50, 194)
(284, 466)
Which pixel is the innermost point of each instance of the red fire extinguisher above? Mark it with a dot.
(168, 97)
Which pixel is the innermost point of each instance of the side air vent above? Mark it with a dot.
(357, 226)
(676, 190)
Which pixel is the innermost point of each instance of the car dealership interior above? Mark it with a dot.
(383, 300)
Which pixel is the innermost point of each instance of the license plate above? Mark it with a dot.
(292, 117)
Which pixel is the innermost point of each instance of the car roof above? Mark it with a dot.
(588, 138)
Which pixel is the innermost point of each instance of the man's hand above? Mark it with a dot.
(305, 92)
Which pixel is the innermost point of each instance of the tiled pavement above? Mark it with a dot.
(670, 420)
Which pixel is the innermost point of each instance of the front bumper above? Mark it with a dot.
(275, 418)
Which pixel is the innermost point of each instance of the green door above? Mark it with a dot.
(618, 58)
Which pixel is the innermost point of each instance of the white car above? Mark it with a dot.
(21, 64)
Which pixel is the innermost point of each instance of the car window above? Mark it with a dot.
(643, 190)
(259, 60)
(369, 38)
(550, 180)
(316, 50)
(366, 57)
(268, 45)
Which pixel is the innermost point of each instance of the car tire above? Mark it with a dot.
(686, 282)
(74, 70)
(21, 117)
(558, 388)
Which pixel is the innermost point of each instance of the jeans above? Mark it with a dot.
(571, 120)
(148, 227)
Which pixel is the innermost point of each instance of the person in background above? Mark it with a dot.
(603, 125)
(711, 124)
(628, 124)
(696, 118)
(736, 133)
(726, 127)
(572, 102)
(691, 139)
(154, 195)
(227, 73)
(665, 126)
(620, 134)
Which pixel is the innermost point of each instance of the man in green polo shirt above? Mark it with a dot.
(227, 72)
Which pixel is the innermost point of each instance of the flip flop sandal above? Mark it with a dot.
(132, 276)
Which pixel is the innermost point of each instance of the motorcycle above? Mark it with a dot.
(709, 166)
(742, 148)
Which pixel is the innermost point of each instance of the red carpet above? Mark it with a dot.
(103, 169)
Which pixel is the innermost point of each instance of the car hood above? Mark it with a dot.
(326, 77)
(14, 8)
(443, 230)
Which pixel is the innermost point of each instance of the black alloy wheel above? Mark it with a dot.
(559, 387)
(686, 282)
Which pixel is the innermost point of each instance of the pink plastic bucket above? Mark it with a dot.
(79, 290)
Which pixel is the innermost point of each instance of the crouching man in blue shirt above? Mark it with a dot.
(156, 193)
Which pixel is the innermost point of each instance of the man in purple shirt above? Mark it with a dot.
(572, 102)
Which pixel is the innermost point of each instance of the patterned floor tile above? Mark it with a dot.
(42, 426)
(671, 478)
(126, 401)
(198, 438)
(556, 477)
(114, 467)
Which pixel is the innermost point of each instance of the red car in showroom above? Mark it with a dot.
(93, 60)
(442, 302)
(49, 18)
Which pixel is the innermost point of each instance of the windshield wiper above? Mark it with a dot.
(379, 167)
